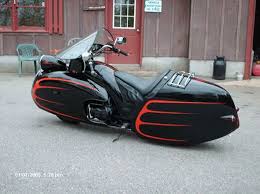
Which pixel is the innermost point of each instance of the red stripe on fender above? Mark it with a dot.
(145, 109)
(163, 124)
(171, 113)
(180, 102)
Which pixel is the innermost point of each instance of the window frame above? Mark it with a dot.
(14, 27)
(134, 16)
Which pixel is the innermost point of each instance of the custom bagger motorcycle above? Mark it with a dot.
(174, 107)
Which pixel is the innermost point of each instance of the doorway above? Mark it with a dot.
(124, 18)
(256, 45)
(256, 41)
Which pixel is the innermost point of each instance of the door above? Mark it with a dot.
(124, 19)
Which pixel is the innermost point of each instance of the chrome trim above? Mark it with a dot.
(229, 117)
(178, 78)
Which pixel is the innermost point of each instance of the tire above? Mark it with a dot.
(68, 120)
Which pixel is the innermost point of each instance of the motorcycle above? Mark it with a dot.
(174, 107)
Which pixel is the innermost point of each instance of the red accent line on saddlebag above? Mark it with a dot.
(145, 109)
(162, 124)
(56, 112)
(50, 101)
(37, 86)
(172, 113)
(68, 81)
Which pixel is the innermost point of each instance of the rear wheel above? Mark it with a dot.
(68, 120)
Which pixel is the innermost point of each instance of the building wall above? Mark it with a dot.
(187, 35)
(166, 34)
(78, 21)
(218, 27)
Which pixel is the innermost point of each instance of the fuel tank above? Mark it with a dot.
(187, 111)
(64, 95)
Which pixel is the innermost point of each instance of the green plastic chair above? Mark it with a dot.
(27, 52)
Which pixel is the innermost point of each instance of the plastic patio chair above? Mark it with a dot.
(27, 52)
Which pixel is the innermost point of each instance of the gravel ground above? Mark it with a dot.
(40, 154)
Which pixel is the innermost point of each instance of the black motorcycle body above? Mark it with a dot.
(175, 107)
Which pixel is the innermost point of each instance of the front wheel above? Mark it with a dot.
(68, 120)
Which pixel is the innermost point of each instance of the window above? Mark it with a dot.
(5, 13)
(31, 13)
(31, 16)
(124, 14)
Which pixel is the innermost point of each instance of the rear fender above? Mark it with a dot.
(197, 113)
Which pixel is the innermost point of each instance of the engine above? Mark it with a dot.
(99, 113)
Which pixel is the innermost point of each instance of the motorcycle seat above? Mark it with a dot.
(144, 86)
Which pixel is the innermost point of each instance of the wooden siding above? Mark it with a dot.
(218, 27)
(78, 22)
(215, 27)
(166, 34)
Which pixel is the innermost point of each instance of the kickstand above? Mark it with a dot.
(124, 126)
(118, 137)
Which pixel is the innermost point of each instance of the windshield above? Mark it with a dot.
(104, 37)
(101, 37)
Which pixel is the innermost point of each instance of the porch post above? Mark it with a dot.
(250, 38)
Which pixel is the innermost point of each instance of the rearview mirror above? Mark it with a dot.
(120, 40)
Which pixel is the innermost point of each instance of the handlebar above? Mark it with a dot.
(114, 49)
(88, 56)
(120, 51)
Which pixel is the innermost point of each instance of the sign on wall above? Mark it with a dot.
(153, 6)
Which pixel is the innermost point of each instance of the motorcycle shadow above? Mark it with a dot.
(98, 130)
(120, 134)
(207, 146)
